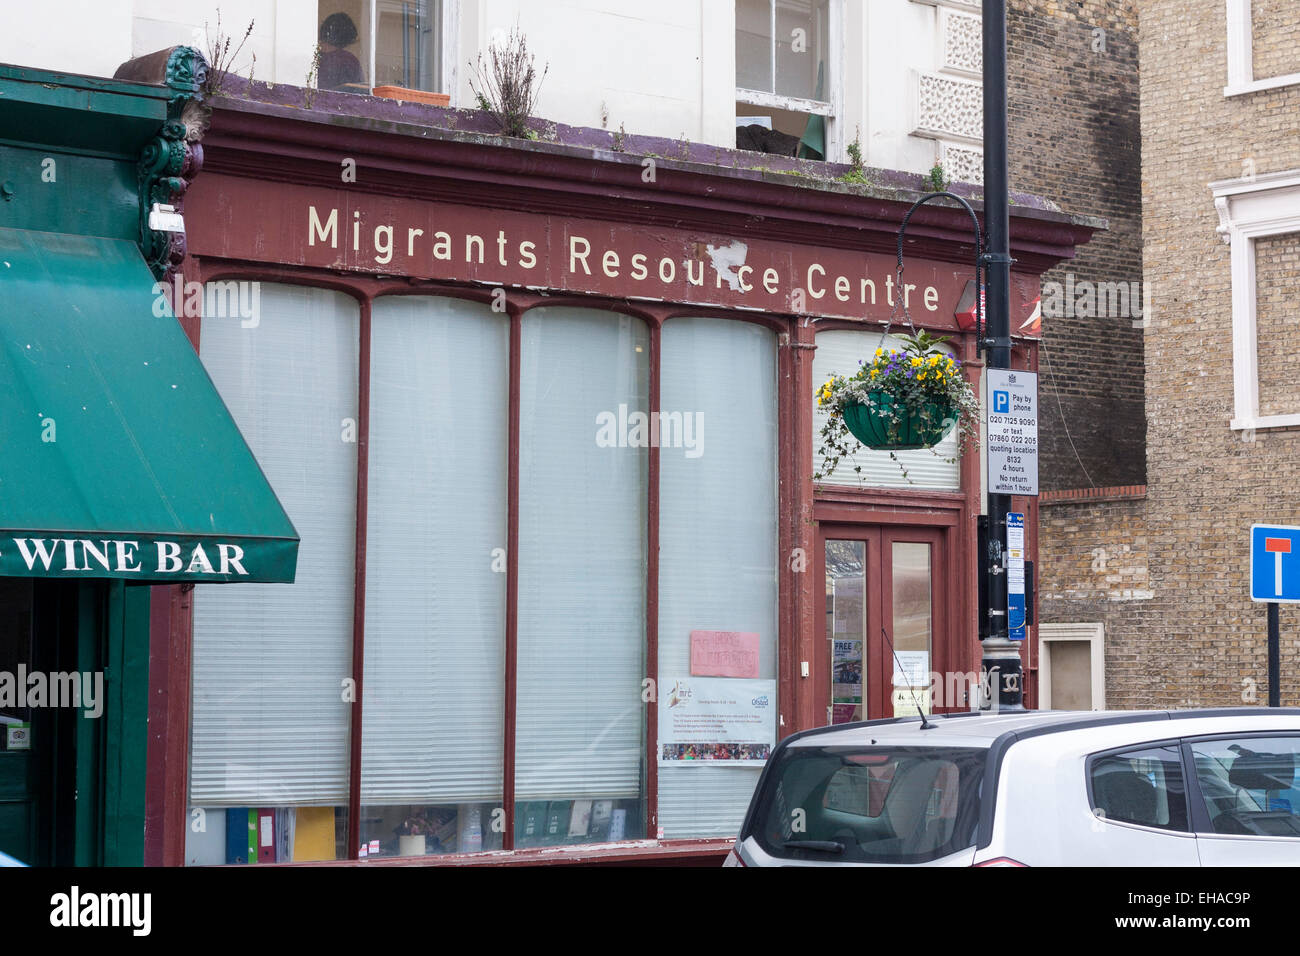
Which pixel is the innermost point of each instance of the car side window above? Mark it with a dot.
(1249, 785)
(1143, 786)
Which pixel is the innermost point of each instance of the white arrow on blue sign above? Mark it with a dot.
(1275, 563)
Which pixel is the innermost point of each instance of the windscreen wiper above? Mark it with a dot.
(825, 846)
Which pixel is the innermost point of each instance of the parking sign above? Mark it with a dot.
(1011, 440)
(1275, 563)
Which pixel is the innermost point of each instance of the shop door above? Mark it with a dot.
(18, 763)
(882, 622)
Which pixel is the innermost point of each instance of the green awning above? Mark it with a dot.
(118, 458)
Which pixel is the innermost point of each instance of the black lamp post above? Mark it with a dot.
(1002, 670)
(1001, 656)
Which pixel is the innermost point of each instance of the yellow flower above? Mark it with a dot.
(916, 361)
(920, 377)
(879, 352)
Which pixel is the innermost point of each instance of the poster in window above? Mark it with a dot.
(846, 672)
(717, 720)
(911, 668)
(848, 608)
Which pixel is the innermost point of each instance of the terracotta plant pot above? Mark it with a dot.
(919, 428)
(413, 96)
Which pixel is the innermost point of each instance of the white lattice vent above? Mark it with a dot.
(962, 164)
(963, 50)
(948, 108)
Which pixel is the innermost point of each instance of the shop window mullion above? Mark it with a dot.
(359, 592)
(512, 583)
(652, 596)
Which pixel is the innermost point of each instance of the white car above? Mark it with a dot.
(1033, 788)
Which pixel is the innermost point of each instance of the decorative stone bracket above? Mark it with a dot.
(171, 160)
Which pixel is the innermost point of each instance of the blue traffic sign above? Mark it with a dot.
(1275, 563)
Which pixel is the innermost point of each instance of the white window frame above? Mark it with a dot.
(1250, 208)
(967, 6)
(831, 107)
(450, 57)
(1241, 55)
(1095, 635)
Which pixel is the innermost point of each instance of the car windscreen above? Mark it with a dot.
(879, 804)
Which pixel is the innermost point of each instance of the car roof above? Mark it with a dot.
(981, 729)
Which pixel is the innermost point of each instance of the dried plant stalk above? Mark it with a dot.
(506, 83)
(220, 57)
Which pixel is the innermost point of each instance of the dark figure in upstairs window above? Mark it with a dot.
(338, 69)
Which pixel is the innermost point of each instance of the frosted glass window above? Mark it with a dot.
(580, 736)
(433, 718)
(269, 722)
(839, 352)
(717, 536)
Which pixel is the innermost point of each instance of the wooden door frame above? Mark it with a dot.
(940, 630)
(872, 658)
(877, 658)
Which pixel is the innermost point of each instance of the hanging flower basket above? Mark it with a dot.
(882, 424)
(902, 399)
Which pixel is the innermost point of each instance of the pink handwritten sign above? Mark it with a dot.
(724, 654)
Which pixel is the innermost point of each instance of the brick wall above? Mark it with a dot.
(1098, 570)
(1275, 38)
(1206, 484)
(1277, 323)
(1074, 138)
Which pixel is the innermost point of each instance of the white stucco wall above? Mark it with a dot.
(665, 68)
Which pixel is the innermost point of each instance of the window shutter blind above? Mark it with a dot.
(838, 352)
(582, 521)
(433, 719)
(270, 726)
(717, 536)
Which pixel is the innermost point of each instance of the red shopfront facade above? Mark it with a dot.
(498, 590)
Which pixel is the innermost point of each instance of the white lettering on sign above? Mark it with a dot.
(169, 557)
(117, 556)
(581, 257)
(36, 550)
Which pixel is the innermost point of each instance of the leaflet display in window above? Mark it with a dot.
(716, 720)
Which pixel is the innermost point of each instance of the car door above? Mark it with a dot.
(1245, 798)
(1138, 798)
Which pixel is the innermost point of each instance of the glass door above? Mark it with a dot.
(909, 572)
(877, 635)
(848, 621)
